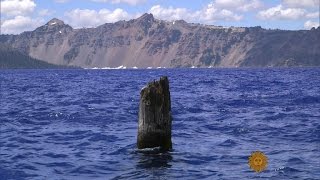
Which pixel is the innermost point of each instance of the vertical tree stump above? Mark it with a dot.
(155, 116)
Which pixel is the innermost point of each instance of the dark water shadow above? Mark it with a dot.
(153, 158)
(151, 163)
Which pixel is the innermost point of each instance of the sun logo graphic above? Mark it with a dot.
(258, 161)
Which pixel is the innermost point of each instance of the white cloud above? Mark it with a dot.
(278, 12)
(313, 15)
(240, 5)
(19, 24)
(170, 13)
(211, 14)
(131, 2)
(310, 24)
(17, 7)
(45, 12)
(301, 3)
(91, 18)
(208, 14)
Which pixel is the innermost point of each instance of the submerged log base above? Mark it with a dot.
(155, 116)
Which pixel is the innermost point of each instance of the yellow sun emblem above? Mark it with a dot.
(258, 161)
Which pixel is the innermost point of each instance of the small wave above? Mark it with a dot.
(119, 67)
(83, 170)
(53, 155)
(56, 164)
(275, 117)
(23, 140)
(150, 150)
(286, 170)
(123, 150)
(228, 143)
(27, 166)
(295, 161)
(240, 131)
(308, 100)
(101, 137)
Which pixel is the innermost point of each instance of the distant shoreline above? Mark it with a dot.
(171, 68)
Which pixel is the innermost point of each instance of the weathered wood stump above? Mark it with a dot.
(155, 116)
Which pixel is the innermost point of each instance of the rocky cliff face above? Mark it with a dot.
(13, 59)
(148, 42)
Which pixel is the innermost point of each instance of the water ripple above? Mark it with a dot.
(82, 124)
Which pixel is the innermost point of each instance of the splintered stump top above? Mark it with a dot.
(155, 116)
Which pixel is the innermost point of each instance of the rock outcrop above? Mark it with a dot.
(148, 42)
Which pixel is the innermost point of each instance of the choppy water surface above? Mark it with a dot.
(82, 124)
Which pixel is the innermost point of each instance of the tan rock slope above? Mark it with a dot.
(148, 42)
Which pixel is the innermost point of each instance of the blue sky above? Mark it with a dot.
(23, 15)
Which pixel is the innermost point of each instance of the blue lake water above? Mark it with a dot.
(82, 124)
